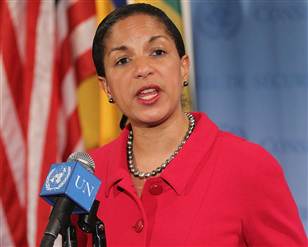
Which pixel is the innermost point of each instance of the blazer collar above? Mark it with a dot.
(117, 165)
(180, 170)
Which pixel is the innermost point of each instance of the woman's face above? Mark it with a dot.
(144, 73)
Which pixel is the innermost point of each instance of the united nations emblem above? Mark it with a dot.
(220, 20)
(57, 177)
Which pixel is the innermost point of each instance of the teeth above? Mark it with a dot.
(148, 97)
(148, 94)
(149, 90)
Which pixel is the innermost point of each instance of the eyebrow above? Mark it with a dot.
(153, 38)
(125, 48)
(118, 48)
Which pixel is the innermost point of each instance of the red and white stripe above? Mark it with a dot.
(40, 107)
(12, 134)
(5, 235)
(11, 130)
(18, 15)
(76, 25)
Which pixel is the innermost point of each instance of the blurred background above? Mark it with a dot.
(249, 74)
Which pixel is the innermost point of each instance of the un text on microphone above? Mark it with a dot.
(73, 180)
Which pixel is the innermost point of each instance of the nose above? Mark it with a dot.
(143, 68)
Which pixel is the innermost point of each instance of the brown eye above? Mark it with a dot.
(158, 52)
(122, 61)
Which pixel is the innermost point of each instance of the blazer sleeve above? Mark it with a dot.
(272, 217)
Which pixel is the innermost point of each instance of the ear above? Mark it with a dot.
(104, 85)
(185, 65)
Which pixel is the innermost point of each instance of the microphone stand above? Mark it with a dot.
(90, 223)
(59, 219)
(69, 237)
(98, 236)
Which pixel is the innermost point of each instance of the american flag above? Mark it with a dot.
(45, 56)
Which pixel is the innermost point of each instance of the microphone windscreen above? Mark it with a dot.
(83, 158)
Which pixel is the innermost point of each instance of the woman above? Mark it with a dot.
(173, 178)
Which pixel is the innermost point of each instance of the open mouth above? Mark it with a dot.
(148, 95)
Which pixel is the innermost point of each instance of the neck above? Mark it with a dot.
(153, 145)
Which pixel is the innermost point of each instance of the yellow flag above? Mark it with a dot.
(109, 115)
(88, 110)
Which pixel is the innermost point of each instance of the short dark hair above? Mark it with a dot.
(120, 14)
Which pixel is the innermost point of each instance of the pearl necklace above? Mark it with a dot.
(130, 156)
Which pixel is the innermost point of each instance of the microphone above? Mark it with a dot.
(70, 187)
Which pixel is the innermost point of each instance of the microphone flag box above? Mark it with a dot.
(73, 180)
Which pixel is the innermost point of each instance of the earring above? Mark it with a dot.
(185, 83)
(110, 100)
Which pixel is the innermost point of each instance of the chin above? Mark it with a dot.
(151, 119)
(155, 114)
